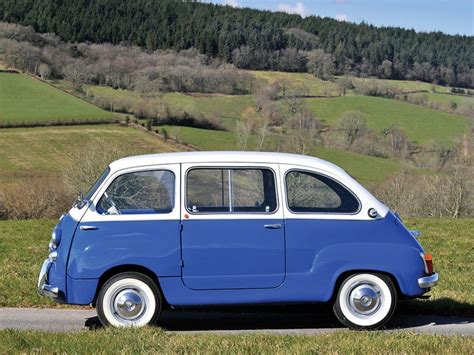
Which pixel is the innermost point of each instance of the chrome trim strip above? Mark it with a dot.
(428, 281)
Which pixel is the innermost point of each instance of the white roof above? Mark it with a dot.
(224, 157)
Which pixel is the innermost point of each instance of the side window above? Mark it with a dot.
(310, 192)
(214, 190)
(143, 192)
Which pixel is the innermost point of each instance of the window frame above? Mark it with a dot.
(134, 171)
(230, 167)
(312, 172)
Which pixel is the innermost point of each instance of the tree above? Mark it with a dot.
(345, 84)
(245, 126)
(398, 142)
(453, 105)
(44, 71)
(304, 129)
(320, 64)
(354, 125)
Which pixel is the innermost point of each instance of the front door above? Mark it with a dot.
(233, 230)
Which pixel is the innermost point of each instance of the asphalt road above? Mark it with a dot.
(236, 321)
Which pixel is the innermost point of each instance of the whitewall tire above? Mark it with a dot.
(129, 299)
(365, 301)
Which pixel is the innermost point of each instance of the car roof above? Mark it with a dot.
(224, 157)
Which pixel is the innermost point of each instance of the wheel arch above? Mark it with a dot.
(128, 268)
(344, 275)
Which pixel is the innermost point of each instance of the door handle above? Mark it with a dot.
(88, 228)
(272, 226)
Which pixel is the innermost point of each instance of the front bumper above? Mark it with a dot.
(428, 281)
(45, 289)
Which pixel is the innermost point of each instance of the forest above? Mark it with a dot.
(255, 39)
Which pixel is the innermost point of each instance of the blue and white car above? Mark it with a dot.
(232, 228)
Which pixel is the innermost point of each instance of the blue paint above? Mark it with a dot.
(151, 244)
(317, 253)
(57, 274)
(232, 254)
(81, 291)
(237, 261)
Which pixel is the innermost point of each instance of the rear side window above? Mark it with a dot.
(310, 192)
(143, 192)
(215, 190)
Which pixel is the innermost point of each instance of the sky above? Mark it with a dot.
(448, 16)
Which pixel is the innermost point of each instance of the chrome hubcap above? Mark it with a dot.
(129, 304)
(365, 299)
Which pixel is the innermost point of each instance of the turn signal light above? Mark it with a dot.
(428, 258)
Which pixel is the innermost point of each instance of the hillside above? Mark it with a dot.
(355, 164)
(421, 124)
(25, 99)
(46, 152)
(254, 39)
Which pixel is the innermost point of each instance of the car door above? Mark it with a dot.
(134, 220)
(233, 232)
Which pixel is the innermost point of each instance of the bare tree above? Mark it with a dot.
(44, 71)
(321, 64)
(245, 126)
(305, 129)
(354, 126)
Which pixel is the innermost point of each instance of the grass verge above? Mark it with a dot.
(158, 341)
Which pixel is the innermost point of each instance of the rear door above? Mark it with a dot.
(233, 232)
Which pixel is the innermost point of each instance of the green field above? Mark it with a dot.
(34, 152)
(449, 240)
(318, 87)
(446, 99)
(297, 81)
(355, 164)
(403, 85)
(421, 124)
(227, 107)
(150, 340)
(25, 99)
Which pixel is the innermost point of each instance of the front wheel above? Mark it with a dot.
(129, 299)
(365, 301)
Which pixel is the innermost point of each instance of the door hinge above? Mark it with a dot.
(181, 227)
(182, 263)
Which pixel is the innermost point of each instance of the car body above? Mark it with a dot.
(229, 228)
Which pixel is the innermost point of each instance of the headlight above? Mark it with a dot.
(53, 256)
(55, 239)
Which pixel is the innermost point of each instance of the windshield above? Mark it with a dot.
(96, 185)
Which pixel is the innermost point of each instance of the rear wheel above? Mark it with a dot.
(365, 301)
(129, 299)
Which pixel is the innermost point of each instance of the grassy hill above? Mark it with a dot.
(297, 81)
(421, 124)
(355, 164)
(25, 99)
(45, 151)
(227, 107)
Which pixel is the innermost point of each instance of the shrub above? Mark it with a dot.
(37, 198)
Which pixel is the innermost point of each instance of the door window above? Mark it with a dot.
(142, 192)
(310, 192)
(239, 190)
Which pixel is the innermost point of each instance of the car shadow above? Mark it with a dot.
(284, 317)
